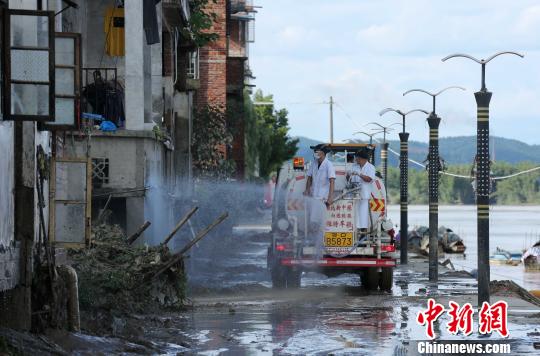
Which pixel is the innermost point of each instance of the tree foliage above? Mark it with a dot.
(523, 189)
(268, 144)
(211, 138)
(201, 22)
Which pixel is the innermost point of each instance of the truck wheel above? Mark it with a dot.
(371, 278)
(362, 275)
(293, 278)
(386, 278)
(278, 277)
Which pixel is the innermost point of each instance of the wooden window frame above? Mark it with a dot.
(77, 68)
(7, 115)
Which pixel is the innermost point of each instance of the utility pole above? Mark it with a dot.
(331, 120)
(483, 97)
(404, 182)
(433, 184)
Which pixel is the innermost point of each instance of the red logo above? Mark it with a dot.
(491, 318)
(494, 318)
(428, 317)
(460, 318)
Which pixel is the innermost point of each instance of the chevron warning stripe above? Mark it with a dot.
(376, 204)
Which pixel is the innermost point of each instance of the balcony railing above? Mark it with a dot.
(102, 96)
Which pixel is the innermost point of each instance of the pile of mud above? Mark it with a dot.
(511, 289)
(115, 276)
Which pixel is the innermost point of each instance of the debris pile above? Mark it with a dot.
(511, 289)
(114, 275)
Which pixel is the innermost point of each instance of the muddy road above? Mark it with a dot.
(234, 311)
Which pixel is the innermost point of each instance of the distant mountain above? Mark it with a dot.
(303, 147)
(454, 150)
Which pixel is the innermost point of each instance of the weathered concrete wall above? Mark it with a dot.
(9, 254)
(126, 152)
(136, 161)
(9, 267)
(7, 184)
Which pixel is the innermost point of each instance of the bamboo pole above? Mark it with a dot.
(140, 230)
(180, 224)
(178, 256)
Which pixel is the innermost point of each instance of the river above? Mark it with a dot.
(513, 228)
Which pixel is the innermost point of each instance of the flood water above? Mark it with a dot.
(236, 312)
(512, 228)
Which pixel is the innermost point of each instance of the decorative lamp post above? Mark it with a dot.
(384, 150)
(483, 97)
(433, 182)
(403, 190)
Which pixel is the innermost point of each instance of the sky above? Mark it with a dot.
(367, 53)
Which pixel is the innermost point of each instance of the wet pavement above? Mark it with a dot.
(234, 310)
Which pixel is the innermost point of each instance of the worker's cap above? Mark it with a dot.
(362, 154)
(320, 147)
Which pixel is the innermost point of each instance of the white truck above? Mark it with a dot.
(337, 246)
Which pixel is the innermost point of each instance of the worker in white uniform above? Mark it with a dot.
(362, 172)
(320, 185)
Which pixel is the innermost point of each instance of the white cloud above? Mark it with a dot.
(367, 53)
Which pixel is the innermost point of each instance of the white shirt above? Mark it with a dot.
(320, 178)
(354, 168)
(369, 171)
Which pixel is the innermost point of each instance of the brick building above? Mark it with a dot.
(224, 67)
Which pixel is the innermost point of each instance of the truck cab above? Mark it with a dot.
(336, 246)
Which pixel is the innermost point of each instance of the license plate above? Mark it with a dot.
(338, 239)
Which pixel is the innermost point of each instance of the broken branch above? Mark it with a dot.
(180, 224)
(178, 256)
(140, 230)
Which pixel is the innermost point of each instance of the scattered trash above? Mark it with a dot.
(449, 241)
(447, 262)
(503, 257)
(107, 126)
(531, 258)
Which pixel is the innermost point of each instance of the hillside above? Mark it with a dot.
(454, 150)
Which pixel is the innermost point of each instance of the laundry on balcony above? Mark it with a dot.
(103, 96)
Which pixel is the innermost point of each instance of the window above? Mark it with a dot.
(28, 92)
(193, 65)
(67, 75)
(100, 172)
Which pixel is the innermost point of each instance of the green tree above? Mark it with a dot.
(523, 189)
(267, 136)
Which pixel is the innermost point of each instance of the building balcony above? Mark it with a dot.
(176, 12)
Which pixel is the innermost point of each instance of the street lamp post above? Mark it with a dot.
(483, 97)
(403, 190)
(384, 151)
(433, 183)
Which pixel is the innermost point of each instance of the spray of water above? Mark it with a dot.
(218, 257)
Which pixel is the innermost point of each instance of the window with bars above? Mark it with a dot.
(100, 172)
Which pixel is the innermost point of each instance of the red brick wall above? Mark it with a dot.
(213, 62)
(235, 100)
